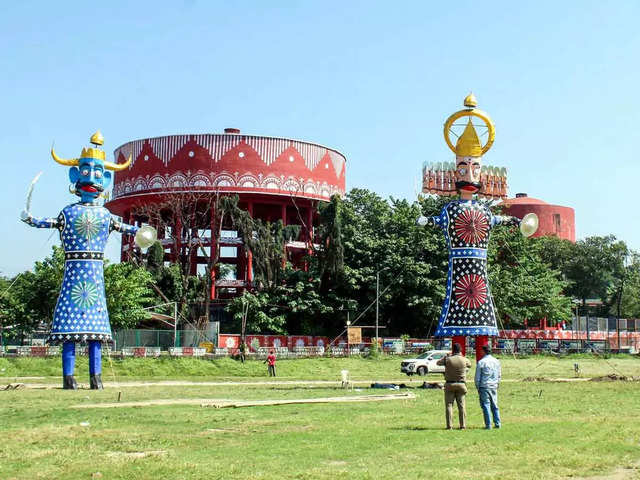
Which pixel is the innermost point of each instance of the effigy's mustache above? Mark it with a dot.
(97, 186)
(463, 183)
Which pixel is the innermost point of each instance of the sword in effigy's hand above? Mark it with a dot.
(27, 210)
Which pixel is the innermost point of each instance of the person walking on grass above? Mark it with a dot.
(455, 388)
(271, 363)
(487, 379)
(243, 350)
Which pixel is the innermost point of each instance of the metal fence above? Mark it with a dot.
(599, 324)
(164, 339)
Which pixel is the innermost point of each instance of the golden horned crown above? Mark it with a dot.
(95, 153)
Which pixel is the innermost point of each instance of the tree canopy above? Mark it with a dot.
(359, 238)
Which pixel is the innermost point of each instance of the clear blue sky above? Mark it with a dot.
(376, 80)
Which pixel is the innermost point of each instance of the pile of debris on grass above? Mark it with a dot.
(13, 386)
(536, 379)
(613, 377)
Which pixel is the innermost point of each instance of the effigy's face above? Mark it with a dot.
(90, 178)
(468, 171)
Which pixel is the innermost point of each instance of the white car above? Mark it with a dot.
(424, 363)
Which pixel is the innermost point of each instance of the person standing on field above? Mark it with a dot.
(271, 363)
(487, 379)
(455, 388)
(243, 350)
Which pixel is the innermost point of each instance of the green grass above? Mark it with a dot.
(551, 430)
(386, 367)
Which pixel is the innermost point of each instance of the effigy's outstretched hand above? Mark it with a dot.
(422, 220)
(146, 236)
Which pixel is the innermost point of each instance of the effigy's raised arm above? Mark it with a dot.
(145, 236)
(37, 222)
(122, 227)
(506, 220)
(528, 225)
(429, 221)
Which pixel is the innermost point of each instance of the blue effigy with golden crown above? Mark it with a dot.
(81, 314)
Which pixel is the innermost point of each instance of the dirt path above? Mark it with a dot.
(181, 383)
(226, 403)
(18, 384)
(621, 473)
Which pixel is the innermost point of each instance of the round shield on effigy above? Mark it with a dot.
(529, 224)
(146, 236)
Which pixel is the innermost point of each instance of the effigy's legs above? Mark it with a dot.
(68, 366)
(95, 365)
(462, 341)
(481, 341)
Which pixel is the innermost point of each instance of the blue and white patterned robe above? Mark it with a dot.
(81, 311)
(468, 306)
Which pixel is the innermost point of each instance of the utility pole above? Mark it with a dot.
(378, 301)
(175, 324)
(348, 326)
(620, 290)
(377, 304)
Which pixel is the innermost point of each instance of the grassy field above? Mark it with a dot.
(386, 367)
(551, 430)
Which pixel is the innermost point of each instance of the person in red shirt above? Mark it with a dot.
(271, 362)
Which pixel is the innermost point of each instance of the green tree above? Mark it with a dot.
(597, 264)
(262, 316)
(17, 316)
(523, 286)
(382, 236)
(268, 245)
(45, 284)
(155, 258)
(128, 292)
(626, 290)
(330, 257)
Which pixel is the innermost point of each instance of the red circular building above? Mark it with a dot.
(275, 179)
(554, 220)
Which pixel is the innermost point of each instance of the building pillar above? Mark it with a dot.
(310, 224)
(249, 253)
(241, 264)
(177, 237)
(284, 223)
(309, 237)
(193, 254)
(124, 241)
(213, 245)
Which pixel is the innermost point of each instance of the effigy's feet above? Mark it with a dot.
(95, 382)
(69, 383)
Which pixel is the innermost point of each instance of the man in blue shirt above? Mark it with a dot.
(487, 379)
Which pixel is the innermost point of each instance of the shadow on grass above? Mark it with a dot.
(417, 428)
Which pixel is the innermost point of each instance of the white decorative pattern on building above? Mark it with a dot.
(192, 168)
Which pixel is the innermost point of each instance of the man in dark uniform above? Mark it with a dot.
(455, 388)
